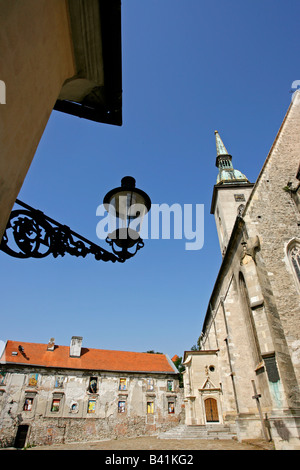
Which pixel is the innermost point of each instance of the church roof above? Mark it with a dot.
(36, 354)
(231, 176)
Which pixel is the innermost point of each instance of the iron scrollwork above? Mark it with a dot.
(35, 235)
(124, 253)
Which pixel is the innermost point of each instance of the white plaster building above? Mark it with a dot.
(56, 394)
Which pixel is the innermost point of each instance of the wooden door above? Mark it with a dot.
(211, 410)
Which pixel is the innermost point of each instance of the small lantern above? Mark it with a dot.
(128, 205)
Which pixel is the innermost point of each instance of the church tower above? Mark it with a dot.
(230, 194)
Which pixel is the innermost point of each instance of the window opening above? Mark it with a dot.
(171, 407)
(121, 406)
(150, 407)
(2, 377)
(150, 384)
(295, 258)
(59, 381)
(170, 386)
(93, 385)
(122, 384)
(91, 406)
(32, 381)
(55, 404)
(28, 404)
(74, 407)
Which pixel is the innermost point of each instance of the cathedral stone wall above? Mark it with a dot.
(273, 216)
(253, 317)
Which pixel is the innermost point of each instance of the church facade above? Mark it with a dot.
(247, 370)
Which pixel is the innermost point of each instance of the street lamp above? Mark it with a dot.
(128, 206)
(32, 234)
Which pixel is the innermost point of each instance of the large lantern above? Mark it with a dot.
(128, 205)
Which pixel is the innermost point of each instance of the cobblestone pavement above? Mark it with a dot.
(152, 443)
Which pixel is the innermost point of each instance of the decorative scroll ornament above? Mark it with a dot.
(32, 234)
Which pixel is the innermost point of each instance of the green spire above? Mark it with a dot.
(221, 149)
(227, 174)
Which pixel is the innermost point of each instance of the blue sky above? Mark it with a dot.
(189, 67)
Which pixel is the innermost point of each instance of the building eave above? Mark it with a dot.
(199, 353)
(95, 92)
(117, 371)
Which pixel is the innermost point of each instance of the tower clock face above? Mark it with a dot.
(239, 197)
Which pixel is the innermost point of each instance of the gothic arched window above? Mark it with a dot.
(294, 254)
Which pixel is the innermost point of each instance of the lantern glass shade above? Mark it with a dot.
(128, 204)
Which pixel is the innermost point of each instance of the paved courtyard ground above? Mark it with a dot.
(152, 443)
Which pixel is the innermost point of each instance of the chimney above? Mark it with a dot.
(75, 346)
(51, 344)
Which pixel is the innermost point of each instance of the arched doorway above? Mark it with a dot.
(211, 410)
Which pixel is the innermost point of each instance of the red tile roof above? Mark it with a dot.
(36, 354)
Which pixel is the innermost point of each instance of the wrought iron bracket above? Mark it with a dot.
(32, 234)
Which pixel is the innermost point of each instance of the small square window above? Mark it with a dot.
(121, 407)
(170, 386)
(2, 377)
(74, 408)
(171, 407)
(93, 385)
(55, 404)
(91, 406)
(150, 407)
(28, 404)
(150, 384)
(122, 384)
(32, 380)
(59, 381)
